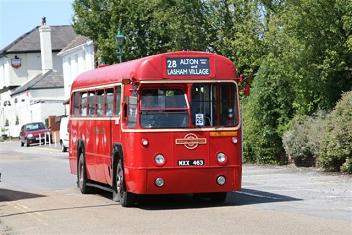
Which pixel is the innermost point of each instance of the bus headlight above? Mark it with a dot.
(145, 142)
(159, 182)
(159, 159)
(234, 140)
(221, 180)
(221, 157)
(29, 135)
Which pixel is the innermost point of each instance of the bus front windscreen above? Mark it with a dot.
(214, 104)
(163, 108)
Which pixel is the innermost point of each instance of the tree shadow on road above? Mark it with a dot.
(7, 195)
(245, 197)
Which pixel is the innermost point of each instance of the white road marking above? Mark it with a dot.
(28, 211)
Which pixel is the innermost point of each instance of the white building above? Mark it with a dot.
(77, 57)
(31, 81)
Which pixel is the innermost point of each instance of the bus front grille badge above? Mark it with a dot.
(191, 141)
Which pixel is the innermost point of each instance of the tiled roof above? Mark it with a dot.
(77, 41)
(30, 41)
(48, 80)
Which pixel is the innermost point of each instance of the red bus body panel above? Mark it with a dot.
(99, 134)
(142, 171)
(150, 68)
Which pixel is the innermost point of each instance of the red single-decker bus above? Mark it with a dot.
(163, 124)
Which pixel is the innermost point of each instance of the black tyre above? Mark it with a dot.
(63, 148)
(82, 175)
(120, 193)
(27, 143)
(217, 197)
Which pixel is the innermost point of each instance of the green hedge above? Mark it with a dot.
(336, 144)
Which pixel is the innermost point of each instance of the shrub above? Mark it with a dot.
(347, 166)
(266, 114)
(302, 140)
(336, 144)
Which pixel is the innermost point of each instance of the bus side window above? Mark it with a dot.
(84, 104)
(132, 111)
(76, 104)
(109, 102)
(100, 103)
(118, 101)
(228, 113)
(91, 104)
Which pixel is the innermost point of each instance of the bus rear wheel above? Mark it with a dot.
(82, 175)
(125, 198)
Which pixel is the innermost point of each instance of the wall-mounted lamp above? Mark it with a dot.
(16, 62)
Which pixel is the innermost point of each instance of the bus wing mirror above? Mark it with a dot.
(247, 89)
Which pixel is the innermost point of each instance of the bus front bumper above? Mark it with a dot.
(183, 180)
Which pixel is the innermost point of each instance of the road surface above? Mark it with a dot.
(38, 195)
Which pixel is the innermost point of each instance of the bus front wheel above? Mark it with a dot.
(82, 175)
(120, 193)
(217, 197)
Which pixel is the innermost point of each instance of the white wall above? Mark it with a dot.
(6, 112)
(31, 111)
(75, 61)
(2, 72)
(9, 76)
(53, 94)
(40, 111)
(30, 67)
(32, 106)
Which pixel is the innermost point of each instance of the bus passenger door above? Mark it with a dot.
(102, 147)
(113, 106)
(102, 127)
(88, 136)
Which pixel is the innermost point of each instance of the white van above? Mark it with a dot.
(64, 134)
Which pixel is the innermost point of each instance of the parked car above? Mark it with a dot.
(34, 133)
(64, 134)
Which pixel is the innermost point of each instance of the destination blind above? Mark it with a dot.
(187, 66)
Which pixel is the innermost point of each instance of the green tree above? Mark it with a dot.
(150, 27)
(267, 113)
(236, 30)
(308, 50)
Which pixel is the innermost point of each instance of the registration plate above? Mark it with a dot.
(194, 162)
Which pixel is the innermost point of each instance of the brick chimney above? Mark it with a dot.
(45, 46)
